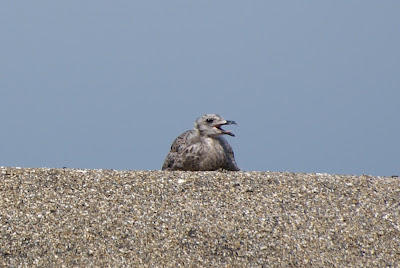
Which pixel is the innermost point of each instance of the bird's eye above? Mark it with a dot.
(209, 120)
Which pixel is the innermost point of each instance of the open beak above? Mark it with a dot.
(227, 132)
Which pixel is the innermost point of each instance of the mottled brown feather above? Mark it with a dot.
(193, 150)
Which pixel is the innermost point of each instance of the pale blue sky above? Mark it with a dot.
(313, 85)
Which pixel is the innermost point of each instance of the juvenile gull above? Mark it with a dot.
(203, 147)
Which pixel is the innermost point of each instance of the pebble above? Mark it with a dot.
(102, 218)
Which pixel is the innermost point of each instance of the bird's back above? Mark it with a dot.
(173, 161)
(190, 151)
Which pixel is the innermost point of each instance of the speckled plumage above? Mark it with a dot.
(202, 148)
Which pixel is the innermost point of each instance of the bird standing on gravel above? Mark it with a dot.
(202, 148)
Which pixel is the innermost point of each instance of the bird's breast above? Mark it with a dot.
(210, 144)
(213, 148)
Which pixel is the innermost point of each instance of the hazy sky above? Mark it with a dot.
(313, 85)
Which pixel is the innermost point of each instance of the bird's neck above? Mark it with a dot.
(198, 135)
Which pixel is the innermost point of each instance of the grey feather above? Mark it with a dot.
(202, 148)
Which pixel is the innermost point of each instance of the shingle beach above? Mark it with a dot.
(109, 218)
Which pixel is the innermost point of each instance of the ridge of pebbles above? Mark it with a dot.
(97, 218)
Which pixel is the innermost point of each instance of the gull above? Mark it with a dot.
(203, 148)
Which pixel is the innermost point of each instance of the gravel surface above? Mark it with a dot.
(108, 218)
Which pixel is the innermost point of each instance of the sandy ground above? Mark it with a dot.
(108, 218)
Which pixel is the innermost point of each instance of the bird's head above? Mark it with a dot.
(211, 125)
